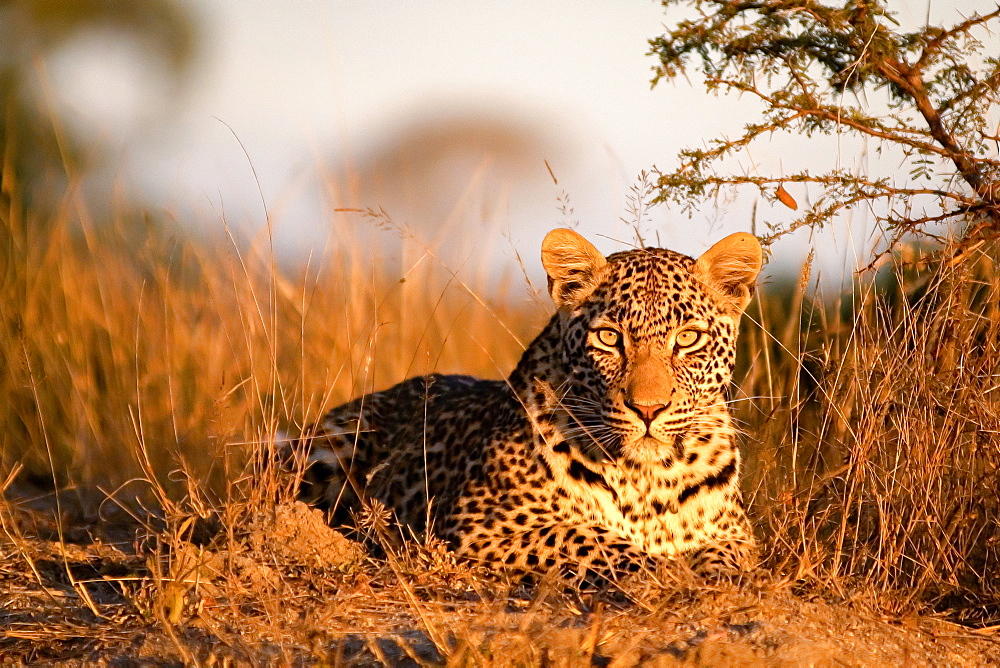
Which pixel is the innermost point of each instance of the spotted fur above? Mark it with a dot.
(609, 448)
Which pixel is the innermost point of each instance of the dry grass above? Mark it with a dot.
(132, 352)
(144, 374)
(876, 467)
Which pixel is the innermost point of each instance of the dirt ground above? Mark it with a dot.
(282, 588)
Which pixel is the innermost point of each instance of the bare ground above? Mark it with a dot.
(282, 588)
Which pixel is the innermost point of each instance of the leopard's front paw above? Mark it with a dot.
(724, 561)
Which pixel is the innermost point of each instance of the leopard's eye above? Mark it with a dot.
(688, 338)
(608, 337)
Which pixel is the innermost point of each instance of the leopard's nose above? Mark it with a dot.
(646, 412)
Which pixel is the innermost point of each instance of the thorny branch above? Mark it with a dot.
(801, 58)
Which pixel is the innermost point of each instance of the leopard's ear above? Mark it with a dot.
(573, 265)
(729, 269)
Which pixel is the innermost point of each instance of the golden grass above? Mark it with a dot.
(157, 368)
(135, 355)
(875, 465)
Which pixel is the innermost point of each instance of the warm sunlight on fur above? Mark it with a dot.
(148, 375)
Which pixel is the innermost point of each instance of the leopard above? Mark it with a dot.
(609, 449)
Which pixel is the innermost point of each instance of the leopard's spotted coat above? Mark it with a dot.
(609, 447)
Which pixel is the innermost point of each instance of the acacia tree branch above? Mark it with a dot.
(933, 45)
(904, 77)
(985, 87)
(838, 116)
(746, 46)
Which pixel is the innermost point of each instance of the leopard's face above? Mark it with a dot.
(651, 352)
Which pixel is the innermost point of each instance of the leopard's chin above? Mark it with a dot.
(648, 448)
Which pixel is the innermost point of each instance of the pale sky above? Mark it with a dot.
(311, 85)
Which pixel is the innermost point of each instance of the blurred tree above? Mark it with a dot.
(32, 149)
(38, 160)
(929, 95)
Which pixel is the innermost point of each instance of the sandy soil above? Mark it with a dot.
(282, 588)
